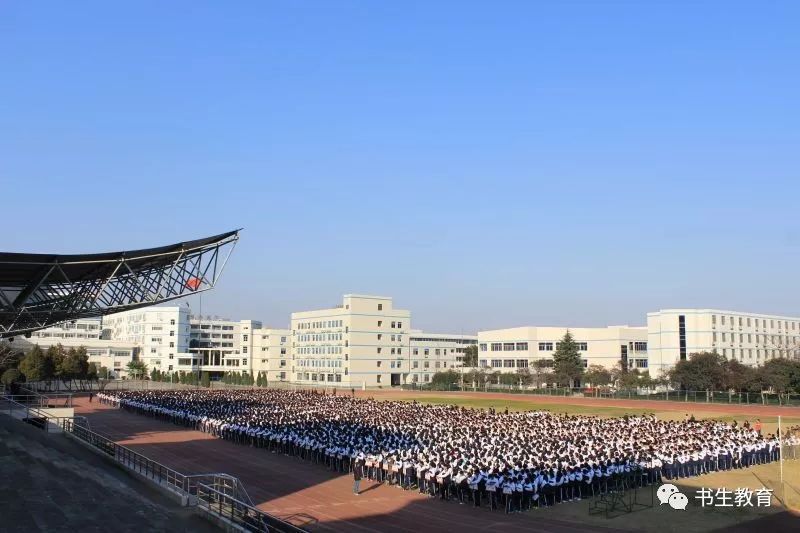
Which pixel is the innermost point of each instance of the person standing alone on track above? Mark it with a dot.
(358, 473)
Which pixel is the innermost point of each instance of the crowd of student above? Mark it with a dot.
(476, 456)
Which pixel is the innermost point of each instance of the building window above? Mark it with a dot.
(522, 363)
(393, 324)
(545, 346)
(426, 351)
(640, 346)
(582, 346)
(380, 323)
(379, 363)
(483, 347)
(508, 346)
(244, 338)
(379, 378)
(244, 349)
(380, 307)
(497, 346)
(682, 335)
(497, 363)
(399, 325)
(522, 346)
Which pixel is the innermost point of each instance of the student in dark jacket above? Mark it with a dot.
(358, 473)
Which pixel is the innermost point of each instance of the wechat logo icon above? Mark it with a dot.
(669, 494)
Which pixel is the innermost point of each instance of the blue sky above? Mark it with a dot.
(488, 164)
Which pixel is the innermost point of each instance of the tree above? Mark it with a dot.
(444, 380)
(633, 379)
(703, 371)
(205, 379)
(524, 377)
(137, 369)
(92, 374)
(9, 357)
(471, 356)
(36, 366)
(103, 372)
(781, 375)
(567, 362)
(11, 376)
(541, 369)
(597, 376)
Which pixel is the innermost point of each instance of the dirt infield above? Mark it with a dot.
(636, 405)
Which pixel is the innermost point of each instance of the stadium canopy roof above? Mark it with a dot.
(39, 290)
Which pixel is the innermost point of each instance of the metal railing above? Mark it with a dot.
(217, 493)
(36, 416)
(240, 513)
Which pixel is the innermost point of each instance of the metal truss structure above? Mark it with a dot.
(40, 290)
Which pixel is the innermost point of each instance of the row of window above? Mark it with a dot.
(523, 346)
(319, 337)
(213, 327)
(318, 350)
(332, 378)
(436, 351)
(452, 341)
(778, 340)
(516, 363)
(319, 363)
(768, 354)
(742, 321)
(321, 324)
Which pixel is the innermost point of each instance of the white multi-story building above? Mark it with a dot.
(220, 345)
(87, 333)
(507, 350)
(272, 354)
(362, 342)
(435, 352)
(750, 338)
(161, 333)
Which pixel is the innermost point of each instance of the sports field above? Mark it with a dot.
(318, 499)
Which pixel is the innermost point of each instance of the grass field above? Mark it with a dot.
(663, 518)
(770, 423)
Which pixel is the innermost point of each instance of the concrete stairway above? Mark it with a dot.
(50, 484)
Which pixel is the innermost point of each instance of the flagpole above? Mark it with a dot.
(780, 452)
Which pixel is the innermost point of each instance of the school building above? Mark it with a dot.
(508, 350)
(750, 338)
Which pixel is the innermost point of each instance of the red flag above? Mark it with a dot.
(193, 283)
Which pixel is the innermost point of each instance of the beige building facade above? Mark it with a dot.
(272, 354)
(435, 352)
(750, 338)
(361, 342)
(508, 350)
